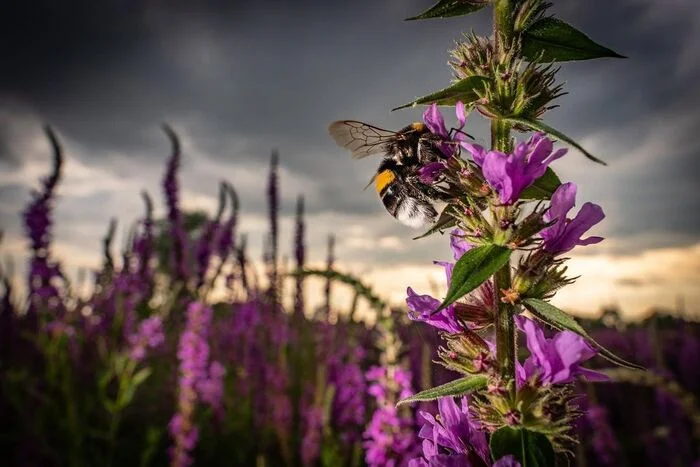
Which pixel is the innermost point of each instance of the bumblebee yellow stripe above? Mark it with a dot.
(384, 178)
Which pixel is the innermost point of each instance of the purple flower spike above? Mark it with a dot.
(510, 174)
(566, 233)
(436, 124)
(556, 360)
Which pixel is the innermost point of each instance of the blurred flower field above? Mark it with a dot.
(184, 354)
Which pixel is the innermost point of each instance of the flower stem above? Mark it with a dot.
(505, 328)
(501, 141)
(503, 24)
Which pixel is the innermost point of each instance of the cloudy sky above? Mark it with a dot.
(236, 80)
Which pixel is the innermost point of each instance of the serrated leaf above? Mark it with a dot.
(529, 448)
(561, 320)
(461, 91)
(543, 127)
(445, 221)
(450, 8)
(553, 40)
(544, 187)
(458, 387)
(472, 269)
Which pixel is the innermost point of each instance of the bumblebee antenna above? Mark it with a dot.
(457, 130)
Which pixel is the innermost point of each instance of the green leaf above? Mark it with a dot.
(458, 387)
(141, 376)
(472, 269)
(561, 320)
(529, 448)
(553, 40)
(104, 379)
(463, 90)
(544, 187)
(448, 8)
(130, 391)
(119, 363)
(110, 406)
(445, 221)
(543, 127)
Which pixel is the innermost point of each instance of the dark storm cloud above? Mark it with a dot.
(238, 80)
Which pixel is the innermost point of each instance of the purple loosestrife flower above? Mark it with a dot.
(300, 256)
(507, 461)
(422, 307)
(389, 437)
(458, 244)
(143, 245)
(149, 335)
(348, 408)
(556, 360)
(566, 233)
(171, 188)
(211, 388)
(313, 433)
(603, 438)
(452, 438)
(205, 245)
(226, 242)
(436, 124)
(37, 224)
(429, 174)
(510, 174)
(193, 354)
(475, 309)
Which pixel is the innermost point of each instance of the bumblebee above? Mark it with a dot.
(397, 182)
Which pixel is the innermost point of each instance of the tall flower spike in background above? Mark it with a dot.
(38, 223)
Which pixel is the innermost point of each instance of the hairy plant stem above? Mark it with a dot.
(501, 141)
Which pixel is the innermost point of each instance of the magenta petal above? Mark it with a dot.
(563, 201)
(541, 150)
(478, 152)
(565, 234)
(589, 241)
(429, 174)
(557, 360)
(448, 269)
(420, 304)
(434, 121)
(592, 375)
(458, 244)
(461, 114)
(507, 461)
(422, 308)
(510, 174)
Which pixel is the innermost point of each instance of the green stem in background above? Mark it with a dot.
(501, 141)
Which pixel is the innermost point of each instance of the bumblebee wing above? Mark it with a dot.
(360, 138)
